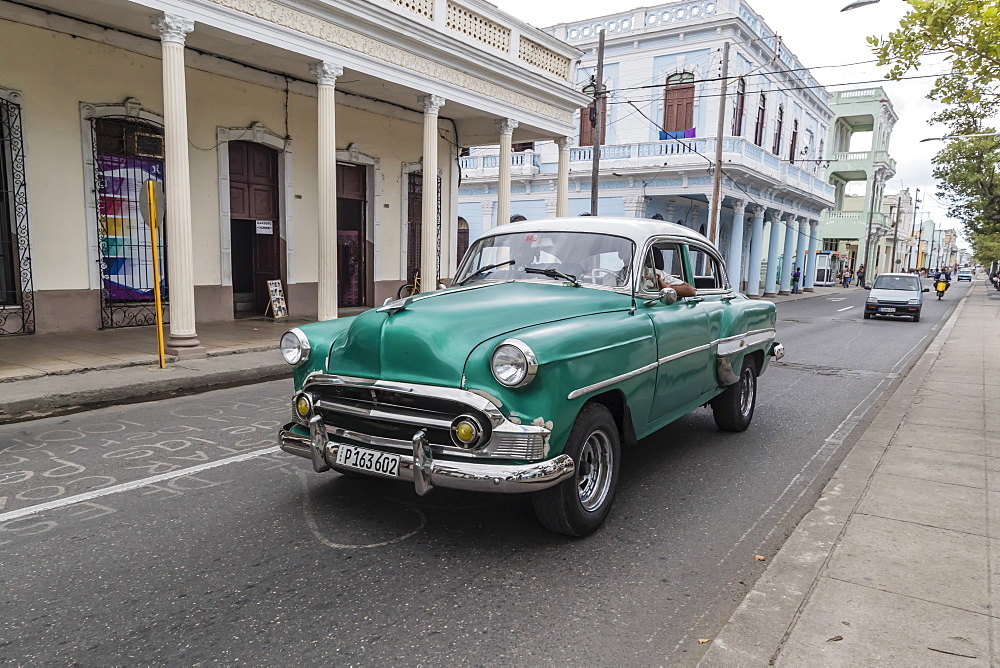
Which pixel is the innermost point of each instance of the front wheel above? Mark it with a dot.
(733, 409)
(916, 318)
(579, 505)
(407, 290)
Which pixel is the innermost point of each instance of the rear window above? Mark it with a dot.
(908, 283)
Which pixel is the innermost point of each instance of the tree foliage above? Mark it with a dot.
(985, 248)
(966, 31)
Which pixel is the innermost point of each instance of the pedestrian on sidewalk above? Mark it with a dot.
(847, 277)
(796, 275)
(861, 277)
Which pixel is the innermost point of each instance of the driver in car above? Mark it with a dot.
(653, 279)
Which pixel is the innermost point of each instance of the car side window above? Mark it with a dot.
(708, 273)
(663, 260)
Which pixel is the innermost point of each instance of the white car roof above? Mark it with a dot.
(637, 229)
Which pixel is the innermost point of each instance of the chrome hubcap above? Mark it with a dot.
(593, 477)
(747, 390)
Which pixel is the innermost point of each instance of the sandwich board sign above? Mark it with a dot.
(276, 304)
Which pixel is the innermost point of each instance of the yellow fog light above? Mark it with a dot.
(303, 406)
(466, 432)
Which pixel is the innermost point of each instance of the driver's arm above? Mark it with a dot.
(683, 289)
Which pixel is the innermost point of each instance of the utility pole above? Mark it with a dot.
(895, 233)
(597, 125)
(719, 130)
(916, 205)
(871, 214)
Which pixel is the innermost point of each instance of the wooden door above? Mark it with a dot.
(253, 196)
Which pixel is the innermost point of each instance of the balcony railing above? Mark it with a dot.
(493, 161)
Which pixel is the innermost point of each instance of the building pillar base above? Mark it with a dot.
(782, 293)
(184, 347)
(754, 296)
(770, 294)
(808, 290)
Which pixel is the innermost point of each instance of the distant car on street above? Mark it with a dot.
(559, 341)
(896, 295)
(964, 274)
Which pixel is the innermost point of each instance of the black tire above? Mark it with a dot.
(940, 295)
(579, 505)
(406, 291)
(868, 316)
(916, 318)
(733, 409)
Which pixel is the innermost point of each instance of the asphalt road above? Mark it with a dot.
(251, 557)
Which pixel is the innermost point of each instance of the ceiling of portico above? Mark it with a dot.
(475, 126)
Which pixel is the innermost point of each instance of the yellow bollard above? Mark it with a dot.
(151, 197)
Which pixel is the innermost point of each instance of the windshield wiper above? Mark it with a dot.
(489, 267)
(552, 273)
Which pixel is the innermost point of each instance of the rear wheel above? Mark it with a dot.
(733, 409)
(578, 506)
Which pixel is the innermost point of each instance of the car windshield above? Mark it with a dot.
(589, 258)
(908, 283)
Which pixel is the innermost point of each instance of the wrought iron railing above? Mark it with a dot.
(17, 305)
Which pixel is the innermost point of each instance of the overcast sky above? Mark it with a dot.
(820, 35)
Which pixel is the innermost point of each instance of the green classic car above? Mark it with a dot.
(557, 344)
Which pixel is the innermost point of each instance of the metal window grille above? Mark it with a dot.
(17, 313)
(127, 153)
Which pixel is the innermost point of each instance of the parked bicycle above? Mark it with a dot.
(409, 289)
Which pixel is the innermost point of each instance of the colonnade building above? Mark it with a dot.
(311, 142)
(658, 143)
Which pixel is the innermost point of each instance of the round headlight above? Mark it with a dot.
(513, 363)
(294, 346)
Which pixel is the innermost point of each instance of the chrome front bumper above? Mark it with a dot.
(425, 472)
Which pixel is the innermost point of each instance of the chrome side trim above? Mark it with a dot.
(470, 476)
(611, 381)
(751, 338)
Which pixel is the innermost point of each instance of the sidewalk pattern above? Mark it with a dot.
(911, 576)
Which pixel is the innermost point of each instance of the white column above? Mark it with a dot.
(810, 278)
(756, 252)
(671, 211)
(503, 184)
(326, 79)
(800, 248)
(735, 260)
(787, 259)
(429, 195)
(183, 339)
(773, 244)
(562, 178)
(635, 206)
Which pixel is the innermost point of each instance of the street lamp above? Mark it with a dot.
(985, 134)
(859, 3)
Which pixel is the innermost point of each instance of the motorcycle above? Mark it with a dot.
(941, 286)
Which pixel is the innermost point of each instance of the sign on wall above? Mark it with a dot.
(265, 227)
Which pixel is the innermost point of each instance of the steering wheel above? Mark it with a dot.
(597, 275)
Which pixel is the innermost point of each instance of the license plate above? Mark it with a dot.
(886, 310)
(370, 461)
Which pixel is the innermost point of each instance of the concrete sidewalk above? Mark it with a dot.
(895, 565)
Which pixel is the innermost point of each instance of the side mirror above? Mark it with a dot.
(926, 290)
(668, 296)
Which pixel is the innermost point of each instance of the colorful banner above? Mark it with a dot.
(126, 253)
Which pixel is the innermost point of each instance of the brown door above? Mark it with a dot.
(414, 214)
(256, 229)
(352, 247)
(678, 107)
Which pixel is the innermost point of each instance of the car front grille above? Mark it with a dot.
(389, 419)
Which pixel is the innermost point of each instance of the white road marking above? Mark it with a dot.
(135, 484)
(844, 309)
(836, 299)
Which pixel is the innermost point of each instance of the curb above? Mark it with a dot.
(52, 395)
(760, 626)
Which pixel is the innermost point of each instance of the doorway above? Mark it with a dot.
(352, 190)
(255, 225)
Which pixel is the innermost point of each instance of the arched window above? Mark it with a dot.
(779, 124)
(793, 147)
(463, 240)
(758, 133)
(738, 110)
(678, 103)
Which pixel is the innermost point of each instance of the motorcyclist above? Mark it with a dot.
(942, 281)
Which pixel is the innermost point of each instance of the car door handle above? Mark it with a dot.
(694, 300)
(727, 298)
